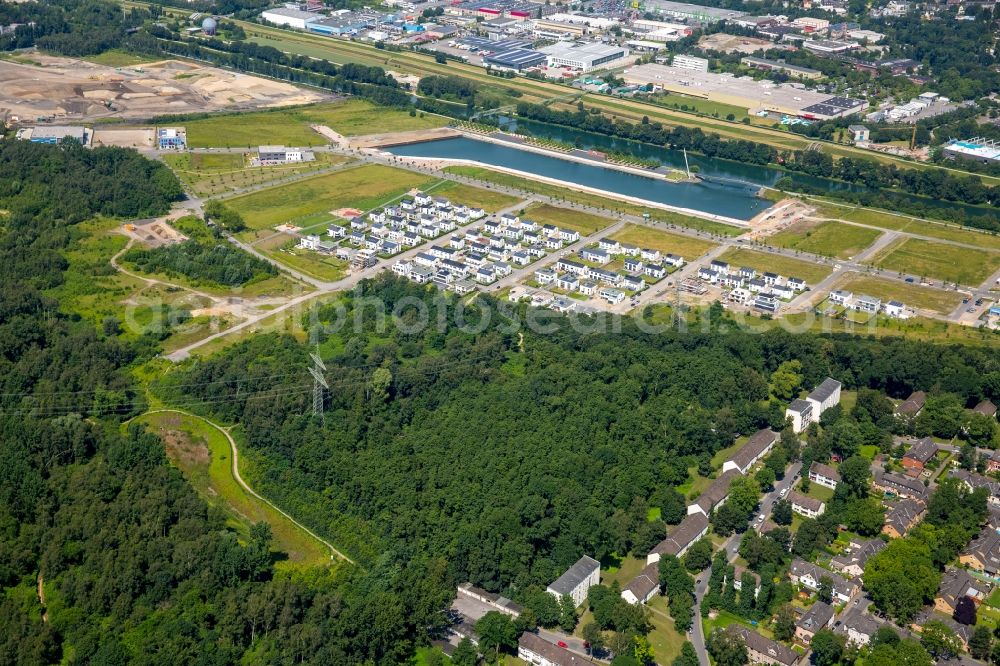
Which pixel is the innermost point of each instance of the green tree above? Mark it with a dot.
(593, 635)
(981, 643)
(784, 623)
(765, 477)
(496, 633)
(687, 657)
(786, 380)
(904, 653)
(864, 516)
(567, 614)
(827, 648)
(855, 476)
(825, 592)
(465, 654)
(781, 513)
(727, 648)
(901, 578)
(698, 556)
(940, 641)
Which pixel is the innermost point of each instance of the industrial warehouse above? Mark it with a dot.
(582, 56)
(757, 96)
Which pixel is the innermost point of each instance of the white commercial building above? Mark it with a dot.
(582, 56)
(293, 18)
(690, 62)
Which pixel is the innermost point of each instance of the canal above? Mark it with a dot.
(733, 199)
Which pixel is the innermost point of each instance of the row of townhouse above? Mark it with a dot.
(867, 304)
(627, 250)
(720, 273)
(809, 575)
(421, 202)
(529, 231)
(458, 270)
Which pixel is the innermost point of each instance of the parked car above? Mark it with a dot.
(562, 644)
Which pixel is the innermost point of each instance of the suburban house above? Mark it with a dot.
(852, 562)
(644, 586)
(738, 572)
(972, 481)
(993, 464)
(537, 651)
(912, 405)
(715, 495)
(824, 475)
(964, 632)
(758, 446)
(502, 604)
(824, 396)
(840, 297)
(763, 650)
(986, 408)
(901, 517)
(577, 580)
(692, 528)
(859, 627)
(808, 575)
(983, 553)
(899, 485)
(955, 584)
(801, 414)
(918, 455)
(806, 506)
(818, 616)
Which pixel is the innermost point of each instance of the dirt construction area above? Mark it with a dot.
(69, 89)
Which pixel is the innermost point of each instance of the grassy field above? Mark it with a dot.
(763, 261)
(830, 238)
(364, 187)
(208, 174)
(725, 618)
(913, 295)
(321, 266)
(203, 454)
(585, 223)
(708, 107)
(623, 571)
(290, 127)
(489, 200)
(894, 222)
(594, 200)
(952, 263)
(116, 58)
(664, 241)
(665, 641)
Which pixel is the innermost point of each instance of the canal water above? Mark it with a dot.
(735, 199)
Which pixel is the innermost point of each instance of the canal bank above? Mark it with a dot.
(732, 203)
(442, 162)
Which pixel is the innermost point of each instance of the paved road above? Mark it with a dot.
(732, 547)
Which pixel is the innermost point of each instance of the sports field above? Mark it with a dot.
(786, 266)
(683, 246)
(211, 174)
(942, 261)
(830, 239)
(912, 295)
(364, 187)
(584, 223)
(290, 127)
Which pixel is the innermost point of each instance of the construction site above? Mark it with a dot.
(47, 88)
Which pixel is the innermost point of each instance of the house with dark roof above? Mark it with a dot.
(801, 414)
(859, 627)
(983, 553)
(534, 649)
(644, 586)
(852, 562)
(912, 405)
(963, 631)
(899, 485)
(824, 475)
(692, 528)
(715, 495)
(818, 616)
(902, 516)
(955, 584)
(808, 575)
(805, 505)
(579, 578)
(824, 396)
(993, 464)
(758, 446)
(972, 481)
(763, 650)
(918, 455)
(738, 572)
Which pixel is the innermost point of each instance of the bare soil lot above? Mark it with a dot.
(68, 89)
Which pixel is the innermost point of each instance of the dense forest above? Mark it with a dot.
(513, 463)
(69, 27)
(219, 263)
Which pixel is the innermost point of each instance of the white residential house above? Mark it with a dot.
(402, 268)
(569, 235)
(894, 309)
(868, 304)
(577, 580)
(310, 242)
(824, 475)
(588, 287)
(608, 245)
(633, 265)
(806, 506)
(841, 297)
(650, 255)
(422, 199)
(800, 412)
(824, 396)
(568, 281)
(673, 260)
(336, 231)
(597, 255)
(612, 296)
(654, 271)
(545, 276)
(798, 284)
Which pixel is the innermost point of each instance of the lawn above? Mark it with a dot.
(588, 199)
(117, 58)
(684, 246)
(626, 569)
(364, 187)
(202, 453)
(320, 266)
(585, 223)
(952, 263)
(830, 239)
(708, 107)
(786, 266)
(822, 493)
(725, 618)
(290, 127)
(665, 641)
(868, 451)
(489, 200)
(208, 174)
(913, 295)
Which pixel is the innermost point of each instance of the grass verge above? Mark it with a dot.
(786, 266)
(830, 238)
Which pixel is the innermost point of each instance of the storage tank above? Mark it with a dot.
(209, 26)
